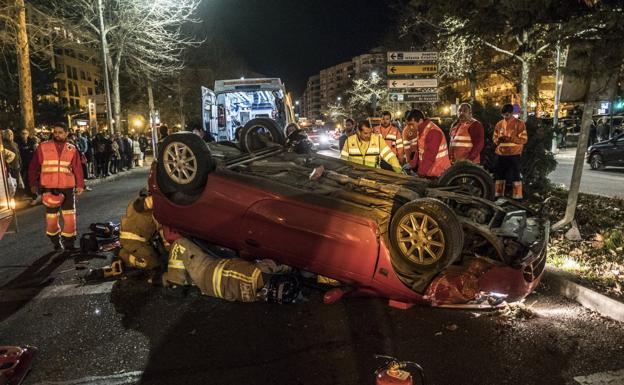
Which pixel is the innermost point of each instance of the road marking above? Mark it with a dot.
(611, 377)
(115, 379)
(55, 291)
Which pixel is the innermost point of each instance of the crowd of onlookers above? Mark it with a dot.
(101, 155)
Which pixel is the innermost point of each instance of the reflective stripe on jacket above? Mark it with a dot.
(393, 139)
(442, 161)
(461, 142)
(56, 171)
(516, 131)
(377, 149)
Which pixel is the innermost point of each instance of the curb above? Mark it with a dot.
(590, 299)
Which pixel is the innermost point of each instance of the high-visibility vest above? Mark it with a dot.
(442, 161)
(516, 130)
(56, 171)
(351, 151)
(410, 143)
(393, 138)
(461, 141)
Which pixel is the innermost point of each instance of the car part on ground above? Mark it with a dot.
(15, 363)
(394, 372)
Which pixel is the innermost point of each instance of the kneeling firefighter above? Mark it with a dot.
(138, 226)
(232, 279)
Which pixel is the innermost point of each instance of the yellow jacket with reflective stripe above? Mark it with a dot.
(369, 153)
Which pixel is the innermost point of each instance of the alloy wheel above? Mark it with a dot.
(420, 238)
(180, 163)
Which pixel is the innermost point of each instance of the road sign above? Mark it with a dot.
(413, 97)
(412, 56)
(421, 69)
(412, 83)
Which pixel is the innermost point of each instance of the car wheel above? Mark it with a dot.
(260, 133)
(425, 236)
(184, 163)
(469, 178)
(596, 162)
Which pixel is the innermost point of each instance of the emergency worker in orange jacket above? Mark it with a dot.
(392, 136)
(467, 137)
(509, 137)
(56, 172)
(432, 159)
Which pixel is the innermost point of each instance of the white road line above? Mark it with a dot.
(115, 379)
(612, 377)
(54, 291)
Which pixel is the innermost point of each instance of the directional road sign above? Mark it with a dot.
(412, 97)
(412, 56)
(412, 83)
(421, 69)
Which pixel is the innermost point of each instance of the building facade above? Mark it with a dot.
(311, 103)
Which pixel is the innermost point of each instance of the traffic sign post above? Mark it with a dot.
(412, 83)
(413, 97)
(404, 80)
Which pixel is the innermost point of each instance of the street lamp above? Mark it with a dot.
(339, 98)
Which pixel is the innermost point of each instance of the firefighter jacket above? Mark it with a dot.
(433, 157)
(467, 141)
(137, 228)
(393, 138)
(369, 153)
(513, 129)
(410, 143)
(56, 165)
(232, 279)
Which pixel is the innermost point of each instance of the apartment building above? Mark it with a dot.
(311, 103)
(78, 76)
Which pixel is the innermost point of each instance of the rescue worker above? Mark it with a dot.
(432, 159)
(367, 148)
(56, 172)
(410, 142)
(467, 137)
(349, 125)
(392, 136)
(137, 229)
(509, 138)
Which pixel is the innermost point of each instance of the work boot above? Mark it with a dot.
(499, 188)
(68, 243)
(56, 242)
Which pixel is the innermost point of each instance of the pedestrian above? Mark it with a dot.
(467, 137)
(368, 148)
(121, 156)
(206, 136)
(349, 125)
(56, 172)
(392, 136)
(27, 147)
(15, 167)
(115, 163)
(99, 147)
(432, 159)
(509, 138)
(129, 152)
(90, 157)
(137, 159)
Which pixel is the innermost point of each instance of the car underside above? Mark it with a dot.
(441, 245)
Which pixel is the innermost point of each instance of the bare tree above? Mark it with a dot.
(143, 38)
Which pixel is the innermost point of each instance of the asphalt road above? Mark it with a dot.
(608, 182)
(129, 332)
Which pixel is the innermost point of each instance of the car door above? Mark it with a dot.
(618, 152)
(209, 111)
(7, 203)
(610, 153)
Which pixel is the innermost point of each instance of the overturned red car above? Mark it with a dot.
(378, 233)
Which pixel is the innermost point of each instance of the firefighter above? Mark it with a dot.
(467, 137)
(56, 172)
(234, 279)
(136, 232)
(432, 159)
(509, 138)
(410, 142)
(392, 136)
(367, 148)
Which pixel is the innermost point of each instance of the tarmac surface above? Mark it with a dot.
(128, 332)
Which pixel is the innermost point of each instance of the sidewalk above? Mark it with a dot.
(22, 205)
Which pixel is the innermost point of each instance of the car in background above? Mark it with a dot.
(378, 233)
(606, 153)
(321, 137)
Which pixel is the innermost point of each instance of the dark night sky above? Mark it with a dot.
(293, 39)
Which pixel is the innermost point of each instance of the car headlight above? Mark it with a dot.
(324, 138)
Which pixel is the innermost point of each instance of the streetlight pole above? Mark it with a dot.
(109, 109)
(557, 89)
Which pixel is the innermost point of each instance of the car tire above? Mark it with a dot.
(413, 255)
(596, 162)
(184, 162)
(471, 179)
(260, 133)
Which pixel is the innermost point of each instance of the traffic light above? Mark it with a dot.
(618, 105)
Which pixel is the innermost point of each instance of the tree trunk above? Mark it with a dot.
(525, 89)
(116, 94)
(181, 96)
(25, 80)
(154, 134)
(472, 78)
